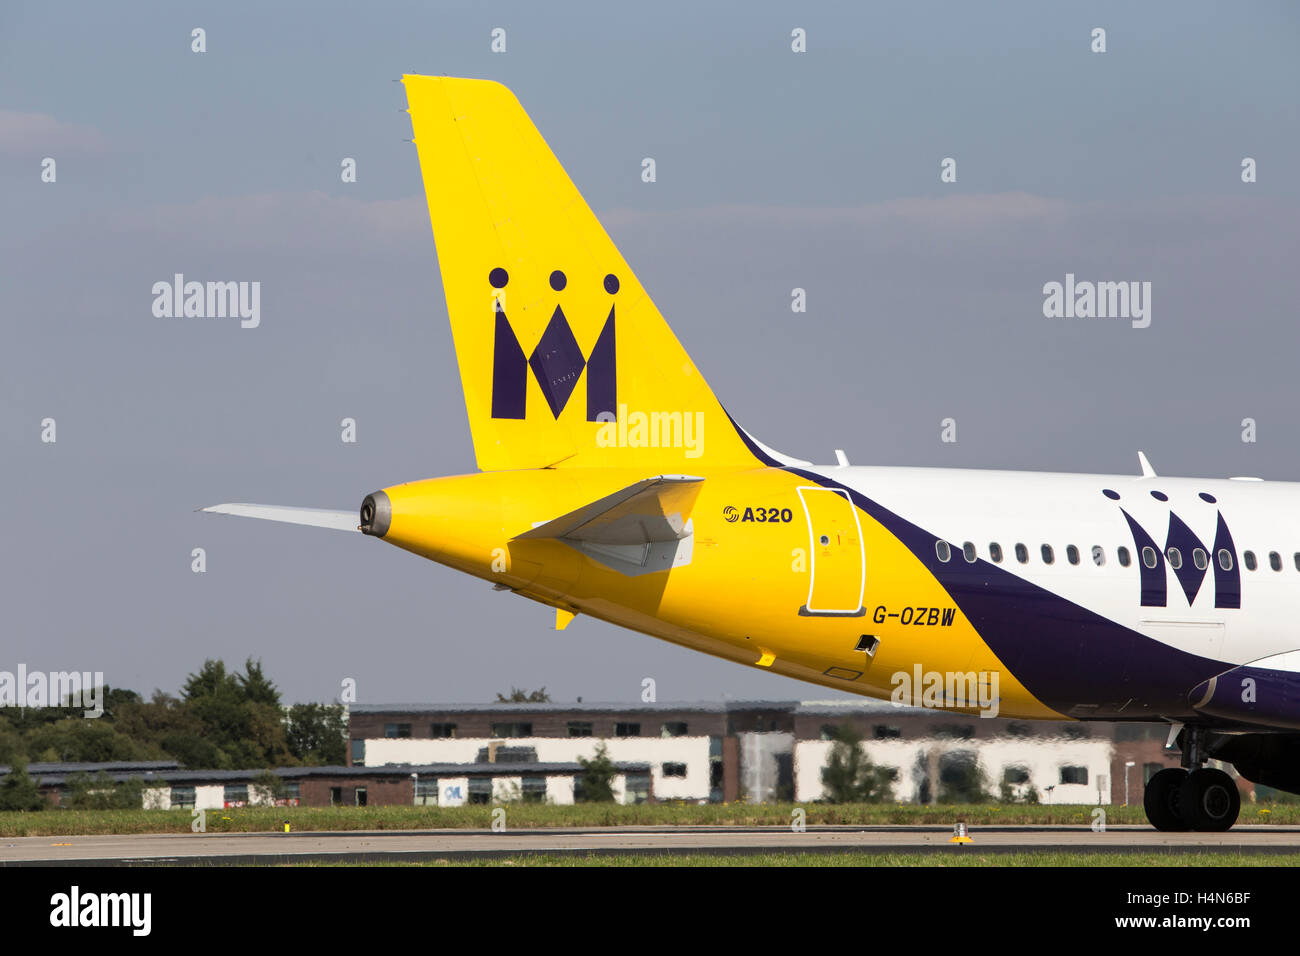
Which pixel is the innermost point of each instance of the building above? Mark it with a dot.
(166, 787)
(775, 750)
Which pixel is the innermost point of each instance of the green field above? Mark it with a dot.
(858, 858)
(530, 815)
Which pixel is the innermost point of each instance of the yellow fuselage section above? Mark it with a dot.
(745, 594)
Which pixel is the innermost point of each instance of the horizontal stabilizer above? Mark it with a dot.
(653, 509)
(317, 517)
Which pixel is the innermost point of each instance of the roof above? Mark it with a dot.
(171, 777)
(108, 765)
(859, 705)
(618, 707)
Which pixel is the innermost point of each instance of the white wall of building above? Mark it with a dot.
(655, 751)
(1043, 759)
(211, 797)
(157, 798)
(559, 790)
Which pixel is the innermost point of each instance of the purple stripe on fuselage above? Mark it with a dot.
(1073, 660)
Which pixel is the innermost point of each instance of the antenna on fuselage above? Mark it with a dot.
(1147, 470)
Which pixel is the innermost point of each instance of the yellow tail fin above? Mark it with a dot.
(564, 359)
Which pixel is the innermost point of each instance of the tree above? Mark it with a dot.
(961, 779)
(317, 734)
(18, 791)
(257, 688)
(101, 793)
(596, 785)
(518, 696)
(849, 775)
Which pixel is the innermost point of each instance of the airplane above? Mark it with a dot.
(613, 483)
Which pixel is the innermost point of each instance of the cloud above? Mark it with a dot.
(40, 132)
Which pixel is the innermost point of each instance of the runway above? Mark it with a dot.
(425, 845)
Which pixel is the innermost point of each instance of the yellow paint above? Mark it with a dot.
(562, 618)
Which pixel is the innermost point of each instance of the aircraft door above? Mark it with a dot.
(837, 565)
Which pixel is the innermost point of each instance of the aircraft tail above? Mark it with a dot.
(564, 359)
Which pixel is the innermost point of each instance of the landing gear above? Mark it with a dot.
(1162, 799)
(1209, 800)
(1192, 797)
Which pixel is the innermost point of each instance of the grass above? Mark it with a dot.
(856, 858)
(56, 822)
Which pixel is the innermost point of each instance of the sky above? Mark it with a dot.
(775, 169)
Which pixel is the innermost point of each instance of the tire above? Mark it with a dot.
(1209, 800)
(1162, 799)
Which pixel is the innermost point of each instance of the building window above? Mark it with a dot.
(397, 730)
(235, 794)
(1015, 774)
(512, 730)
(995, 552)
(442, 730)
(1122, 554)
(1275, 561)
(886, 732)
(674, 770)
(953, 731)
(580, 728)
(942, 551)
(480, 789)
(1074, 775)
(1022, 554)
(673, 728)
(968, 552)
(533, 790)
(290, 794)
(1249, 559)
(637, 788)
(627, 730)
(1098, 555)
(1072, 554)
(361, 796)
(830, 732)
(183, 797)
(1225, 559)
(358, 753)
(1048, 556)
(426, 791)
(336, 796)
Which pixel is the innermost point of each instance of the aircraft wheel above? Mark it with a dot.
(1209, 800)
(1163, 797)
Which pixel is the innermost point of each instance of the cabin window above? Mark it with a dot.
(1225, 559)
(942, 551)
(995, 552)
(1297, 560)
(1149, 557)
(1275, 561)
(1122, 554)
(968, 552)
(1072, 554)
(1022, 554)
(1200, 559)
(1175, 558)
(1249, 558)
(1098, 555)
(1048, 556)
